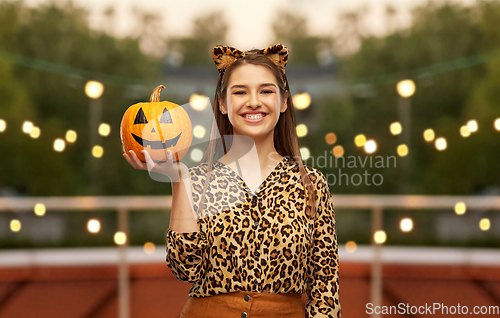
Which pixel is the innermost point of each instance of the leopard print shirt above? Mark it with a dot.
(260, 241)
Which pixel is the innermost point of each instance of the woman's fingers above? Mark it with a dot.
(138, 164)
(150, 164)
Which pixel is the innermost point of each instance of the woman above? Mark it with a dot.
(251, 243)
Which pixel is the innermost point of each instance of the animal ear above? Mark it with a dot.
(278, 53)
(224, 56)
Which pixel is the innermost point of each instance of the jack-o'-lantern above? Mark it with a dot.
(155, 127)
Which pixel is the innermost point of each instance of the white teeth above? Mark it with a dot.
(258, 116)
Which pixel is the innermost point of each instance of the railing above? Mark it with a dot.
(375, 203)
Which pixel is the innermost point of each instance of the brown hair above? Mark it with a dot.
(285, 134)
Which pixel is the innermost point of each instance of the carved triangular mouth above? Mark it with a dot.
(157, 144)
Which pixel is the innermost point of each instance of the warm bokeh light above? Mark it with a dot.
(199, 131)
(496, 124)
(305, 153)
(35, 132)
(350, 247)
(380, 237)
(94, 89)
(370, 146)
(149, 248)
(406, 224)
(360, 140)
(460, 208)
(396, 128)
(301, 101)
(40, 209)
(27, 127)
(330, 138)
(196, 155)
(429, 135)
(338, 151)
(59, 145)
(484, 224)
(441, 144)
(199, 102)
(71, 136)
(3, 125)
(97, 151)
(93, 226)
(15, 225)
(120, 238)
(104, 129)
(406, 88)
(402, 150)
(464, 131)
(301, 130)
(472, 125)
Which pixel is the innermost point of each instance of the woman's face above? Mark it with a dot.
(253, 101)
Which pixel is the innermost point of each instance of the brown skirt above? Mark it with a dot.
(245, 305)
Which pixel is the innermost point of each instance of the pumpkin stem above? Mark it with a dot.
(155, 95)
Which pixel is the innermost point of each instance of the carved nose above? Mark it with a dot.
(153, 130)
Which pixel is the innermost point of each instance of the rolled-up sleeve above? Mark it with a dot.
(323, 267)
(185, 254)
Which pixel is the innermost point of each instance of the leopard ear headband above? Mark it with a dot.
(225, 55)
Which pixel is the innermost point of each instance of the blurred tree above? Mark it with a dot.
(290, 29)
(59, 34)
(196, 50)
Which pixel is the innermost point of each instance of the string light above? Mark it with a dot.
(406, 88)
(402, 150)
(301, 101)
(199, 131)
(199, 102)
(441, 144)
(301, 130)
(370, 146)
(27, 127)
(460, 208)
(350, 247)
(120, 238)
(406, 224)
(360, 140)
(330, 138)
(97, 151)
(94, 89)
(93, 226)
(338, 151)
(380, 237)
(59, 145)
(396, 128)
(71, 136)
(149, 248)
(305, 153)
(429, 135)
(196, 155)
(464, 131)
(496, 124)
(104, 129)
(35, 132)
(472, 125)
(3, 125)
(40, 209)
(15, 225)
(484, 224)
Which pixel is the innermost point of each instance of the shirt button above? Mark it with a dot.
(247, 297)
(256, 223)
(244, 315)
(255, 282)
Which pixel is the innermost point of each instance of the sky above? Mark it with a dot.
(249, 21)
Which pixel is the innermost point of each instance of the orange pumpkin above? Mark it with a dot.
(155, 127)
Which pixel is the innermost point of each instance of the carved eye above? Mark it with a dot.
(165, 117)
(140, 118)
